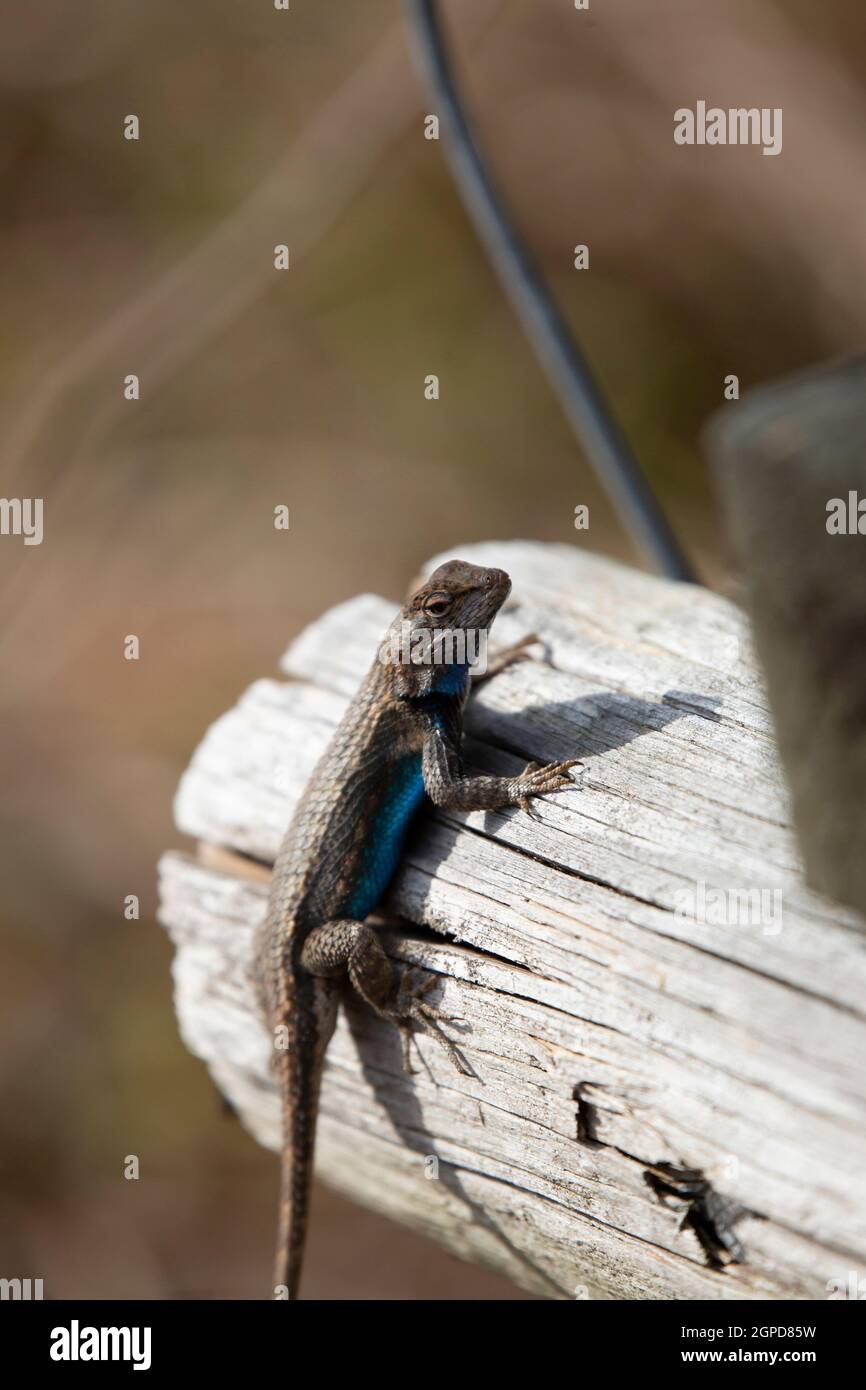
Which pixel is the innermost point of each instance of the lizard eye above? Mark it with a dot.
(437, 605)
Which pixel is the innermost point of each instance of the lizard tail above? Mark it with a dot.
(296, 1174)
(300, 1077)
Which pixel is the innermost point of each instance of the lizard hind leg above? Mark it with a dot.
(346, 947)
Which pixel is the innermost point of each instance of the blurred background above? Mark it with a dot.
(305, 388)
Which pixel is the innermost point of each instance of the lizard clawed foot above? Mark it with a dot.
(410, 1008)
(536, 780)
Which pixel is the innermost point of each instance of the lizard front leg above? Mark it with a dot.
(505, 657)
(346, 947)
(447, 785)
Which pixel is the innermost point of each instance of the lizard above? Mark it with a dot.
(397, 745)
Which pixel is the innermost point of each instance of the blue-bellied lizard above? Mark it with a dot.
(397, 744)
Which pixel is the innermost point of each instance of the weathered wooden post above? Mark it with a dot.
(641, 977)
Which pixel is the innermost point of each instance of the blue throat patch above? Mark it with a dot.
(452, 680)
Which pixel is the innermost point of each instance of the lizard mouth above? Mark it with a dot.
(490, 594)
(499, 580)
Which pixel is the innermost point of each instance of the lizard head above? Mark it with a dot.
(441, 630)
(458, 596)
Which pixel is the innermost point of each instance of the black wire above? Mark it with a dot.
(547, 330)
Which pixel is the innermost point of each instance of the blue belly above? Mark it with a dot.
(403, 796)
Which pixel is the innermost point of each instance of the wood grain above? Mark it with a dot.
(576, 961)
